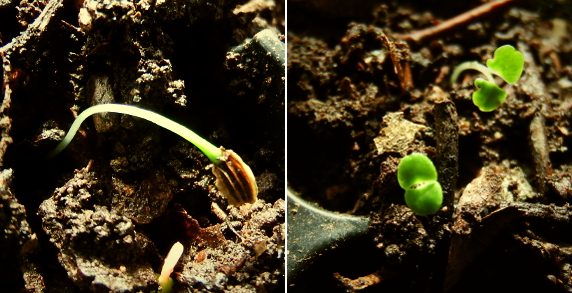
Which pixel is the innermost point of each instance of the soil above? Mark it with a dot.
(366, 88)
(103, 214)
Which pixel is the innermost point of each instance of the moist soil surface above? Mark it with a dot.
(368, 85)
(103, 214)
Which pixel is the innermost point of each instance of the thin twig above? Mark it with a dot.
(35, 29)
(5, 121)
(460, 19)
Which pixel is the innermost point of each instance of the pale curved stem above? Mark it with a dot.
(472, 65)
(170, 262)
(211, 151)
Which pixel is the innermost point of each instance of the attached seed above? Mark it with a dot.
(235, 179)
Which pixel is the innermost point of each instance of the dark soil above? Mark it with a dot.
(103, 214)
(363, 93)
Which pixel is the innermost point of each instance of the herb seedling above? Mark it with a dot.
(165, 280)
(235, 179)
(506, 63)
(418, 176)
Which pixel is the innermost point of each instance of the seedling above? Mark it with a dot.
(165, 280)
(235, 179)
(418, 176)
(506, 63)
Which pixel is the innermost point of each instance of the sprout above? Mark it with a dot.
(164, 280)
(418, 176)
(211, 151)
(506, 63)
(235, 179)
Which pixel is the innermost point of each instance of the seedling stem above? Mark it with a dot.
(211, 151)
(475, 66)
(235, 179)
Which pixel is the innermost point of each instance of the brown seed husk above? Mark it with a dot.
(234, 179)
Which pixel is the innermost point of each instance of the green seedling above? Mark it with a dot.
(418, 176)
(211, 151)
(506, 63)
(235, 179)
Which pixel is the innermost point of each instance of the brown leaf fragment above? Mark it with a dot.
(470, 232)
(398, 135)
(202, 237)
(479, 191)
(465, 248)
(483, 211)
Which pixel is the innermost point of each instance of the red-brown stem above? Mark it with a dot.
(460, 19)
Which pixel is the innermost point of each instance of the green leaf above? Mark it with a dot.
(507, 63)
(489, 96)
(425, 199)
(414, 169)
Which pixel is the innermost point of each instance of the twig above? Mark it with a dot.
(5, 121)
(447, 130)
(34, 30)
(460, 19)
